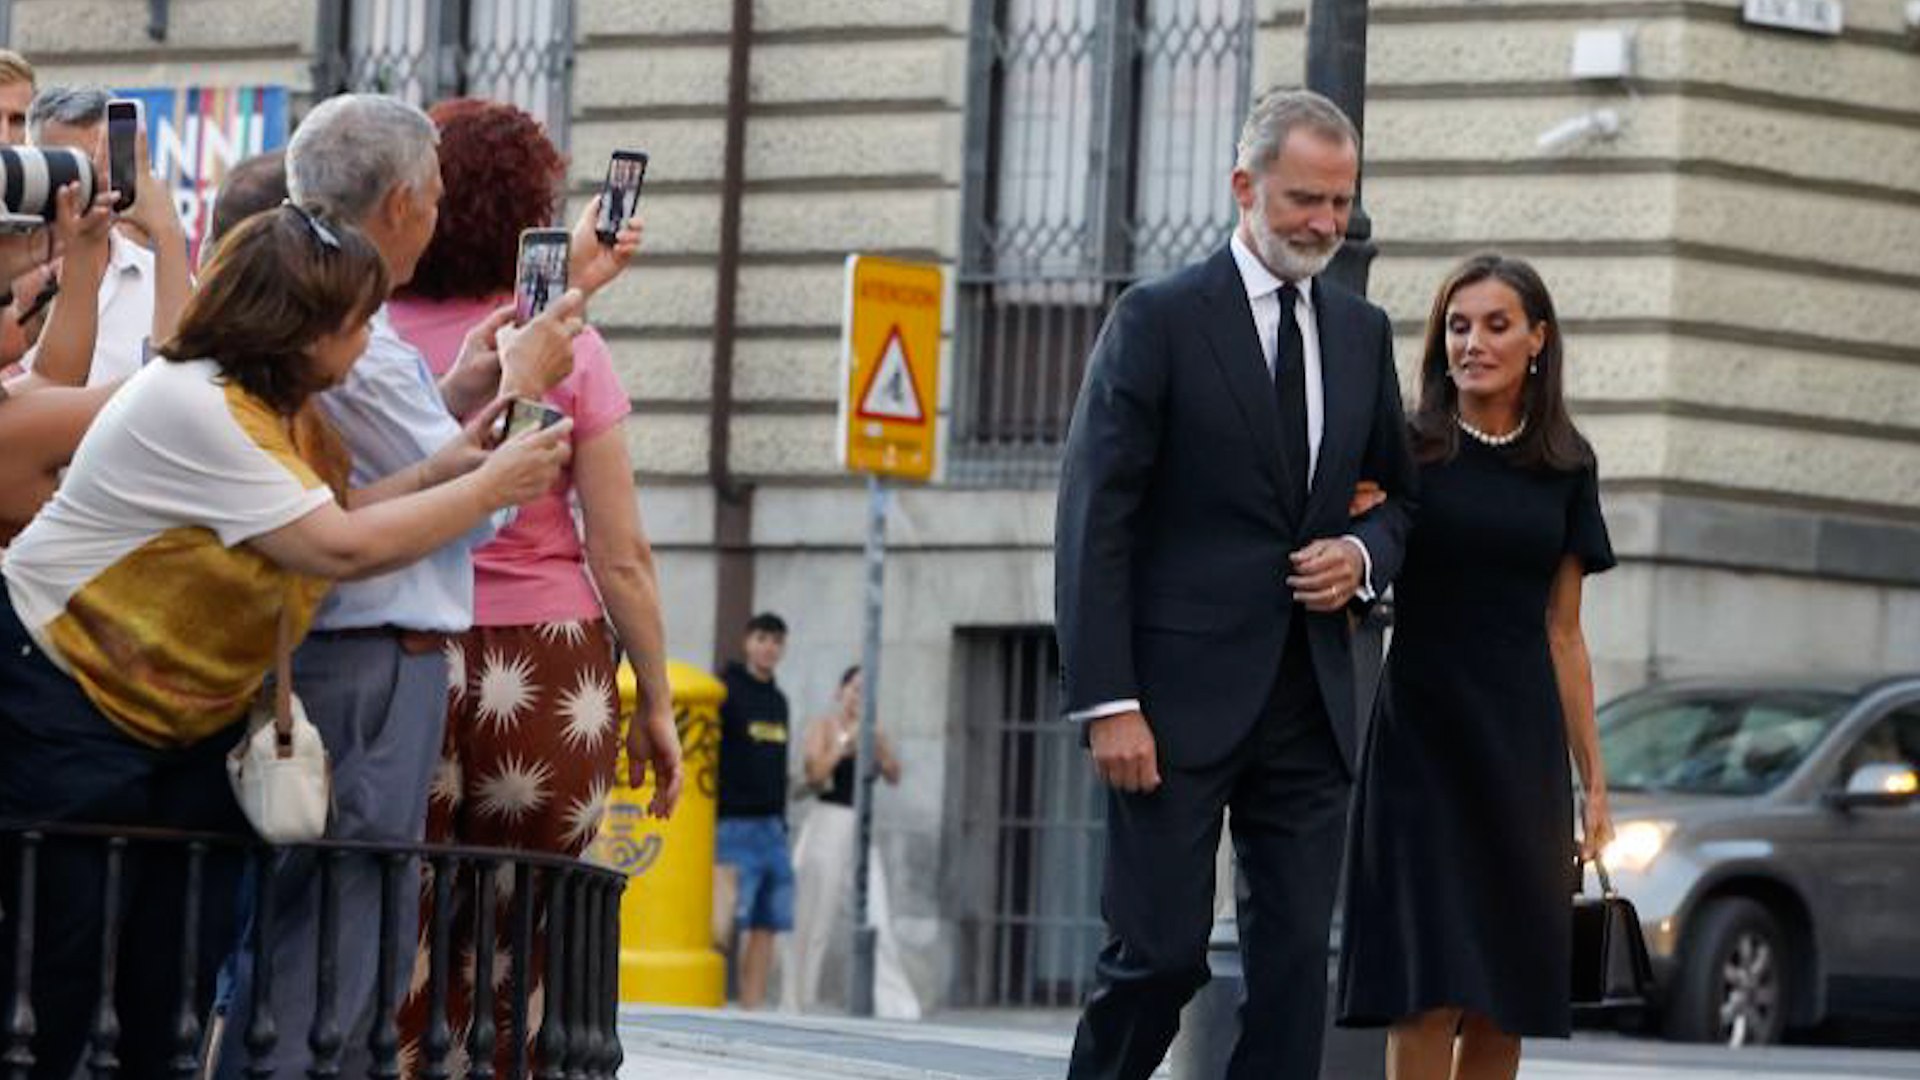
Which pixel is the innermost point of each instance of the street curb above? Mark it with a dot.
(836, 1059)
(640, 1038)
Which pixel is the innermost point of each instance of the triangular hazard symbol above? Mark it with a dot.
(890, 393)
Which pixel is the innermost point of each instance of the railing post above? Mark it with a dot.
(261, 1034)
(610, 979)
(186, 1022)
(553, 1024)
(481, 1030)
(20, 1021)
(439, 1037)
(384, 1040)
(324, 1038)
(103, 1061)
(581, 1045)
(522, 979)
(586, 982)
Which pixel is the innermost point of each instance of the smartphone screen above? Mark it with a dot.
(524, 416)
(123, 127)
(542, 273)
(626, 170)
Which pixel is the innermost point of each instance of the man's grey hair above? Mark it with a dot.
(1277, 114)
(353, 149)
(75, 106)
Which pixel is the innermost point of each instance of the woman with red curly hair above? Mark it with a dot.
(532, 711)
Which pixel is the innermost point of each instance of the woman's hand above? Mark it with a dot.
(592, 265)
(527, 466)
(535, 358)
(82, 230)
(653, 742)
(466, 453)
(1596, 824)
(1366, 496)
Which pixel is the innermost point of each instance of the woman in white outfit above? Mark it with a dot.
(823, 869)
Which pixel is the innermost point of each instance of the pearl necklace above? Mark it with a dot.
(1491, 440)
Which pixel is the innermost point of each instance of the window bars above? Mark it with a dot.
(519, 51)
(1100, 138)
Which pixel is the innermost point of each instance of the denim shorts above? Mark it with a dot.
(756, 847)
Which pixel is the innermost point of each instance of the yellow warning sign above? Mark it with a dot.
(890, 367)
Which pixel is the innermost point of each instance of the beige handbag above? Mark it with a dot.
(280, 773)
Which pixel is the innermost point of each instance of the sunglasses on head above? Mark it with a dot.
(321, 233)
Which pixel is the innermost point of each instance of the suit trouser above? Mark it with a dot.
(381, 712)
(1287, 787)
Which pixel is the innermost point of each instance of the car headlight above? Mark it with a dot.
(1635, 845)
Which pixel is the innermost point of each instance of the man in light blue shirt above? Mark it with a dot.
(372, 674)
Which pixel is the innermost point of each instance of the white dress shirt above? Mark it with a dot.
(1263, 296)
(126, 312)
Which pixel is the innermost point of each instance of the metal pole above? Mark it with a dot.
(1337, 67)
(865, 939)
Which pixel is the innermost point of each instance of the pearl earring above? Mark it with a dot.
(1533, 364)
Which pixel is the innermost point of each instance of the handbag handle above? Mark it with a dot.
(1599, 864)
(283, 681)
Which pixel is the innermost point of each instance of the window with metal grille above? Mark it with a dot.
(1031, 829)
(520, 51)
(1101, 135)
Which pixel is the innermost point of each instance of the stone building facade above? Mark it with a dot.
(1737, 268)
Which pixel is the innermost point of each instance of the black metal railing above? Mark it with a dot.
(577, 1036)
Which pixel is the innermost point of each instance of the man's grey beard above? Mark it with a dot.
(1288, 260)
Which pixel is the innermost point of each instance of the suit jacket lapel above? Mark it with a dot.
(1236, 348)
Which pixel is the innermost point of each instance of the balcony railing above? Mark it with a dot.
(576, 1037)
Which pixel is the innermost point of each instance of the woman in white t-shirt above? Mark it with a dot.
(144, 599)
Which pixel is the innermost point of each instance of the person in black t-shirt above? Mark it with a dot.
(752, 835)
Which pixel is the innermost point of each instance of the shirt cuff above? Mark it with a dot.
(1105, 709)
(1365, 591)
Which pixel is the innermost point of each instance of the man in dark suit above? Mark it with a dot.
(1205, 562)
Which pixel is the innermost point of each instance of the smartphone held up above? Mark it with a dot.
(541, 274)
(125, 117)
(523, 416)
(626, 171)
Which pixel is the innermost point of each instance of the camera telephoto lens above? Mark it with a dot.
(31, 176)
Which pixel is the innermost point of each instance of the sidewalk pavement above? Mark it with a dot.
(686, 1044)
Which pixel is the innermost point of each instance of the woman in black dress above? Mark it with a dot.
(1459, 868)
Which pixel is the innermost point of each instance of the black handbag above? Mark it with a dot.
(1611, 969)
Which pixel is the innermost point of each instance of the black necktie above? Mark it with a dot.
(1290, 393)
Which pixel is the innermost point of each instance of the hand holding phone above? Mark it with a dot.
(125, 117)
(523, 416)
(541, 273)
(626, 171)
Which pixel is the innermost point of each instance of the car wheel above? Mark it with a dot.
(1732, 985)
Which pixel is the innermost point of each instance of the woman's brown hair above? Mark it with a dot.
(277, 283)
(1550, 439)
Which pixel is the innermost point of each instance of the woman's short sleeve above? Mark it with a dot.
(1587, 538)
(599, 401)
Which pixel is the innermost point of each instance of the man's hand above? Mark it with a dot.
(1366, 496)
(535, 357)
(1124, 753)
(1326, 574)
(652, 740)
(592, 265)
(475, 375)
(82, 231)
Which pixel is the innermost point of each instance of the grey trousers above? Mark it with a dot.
(381, 712)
